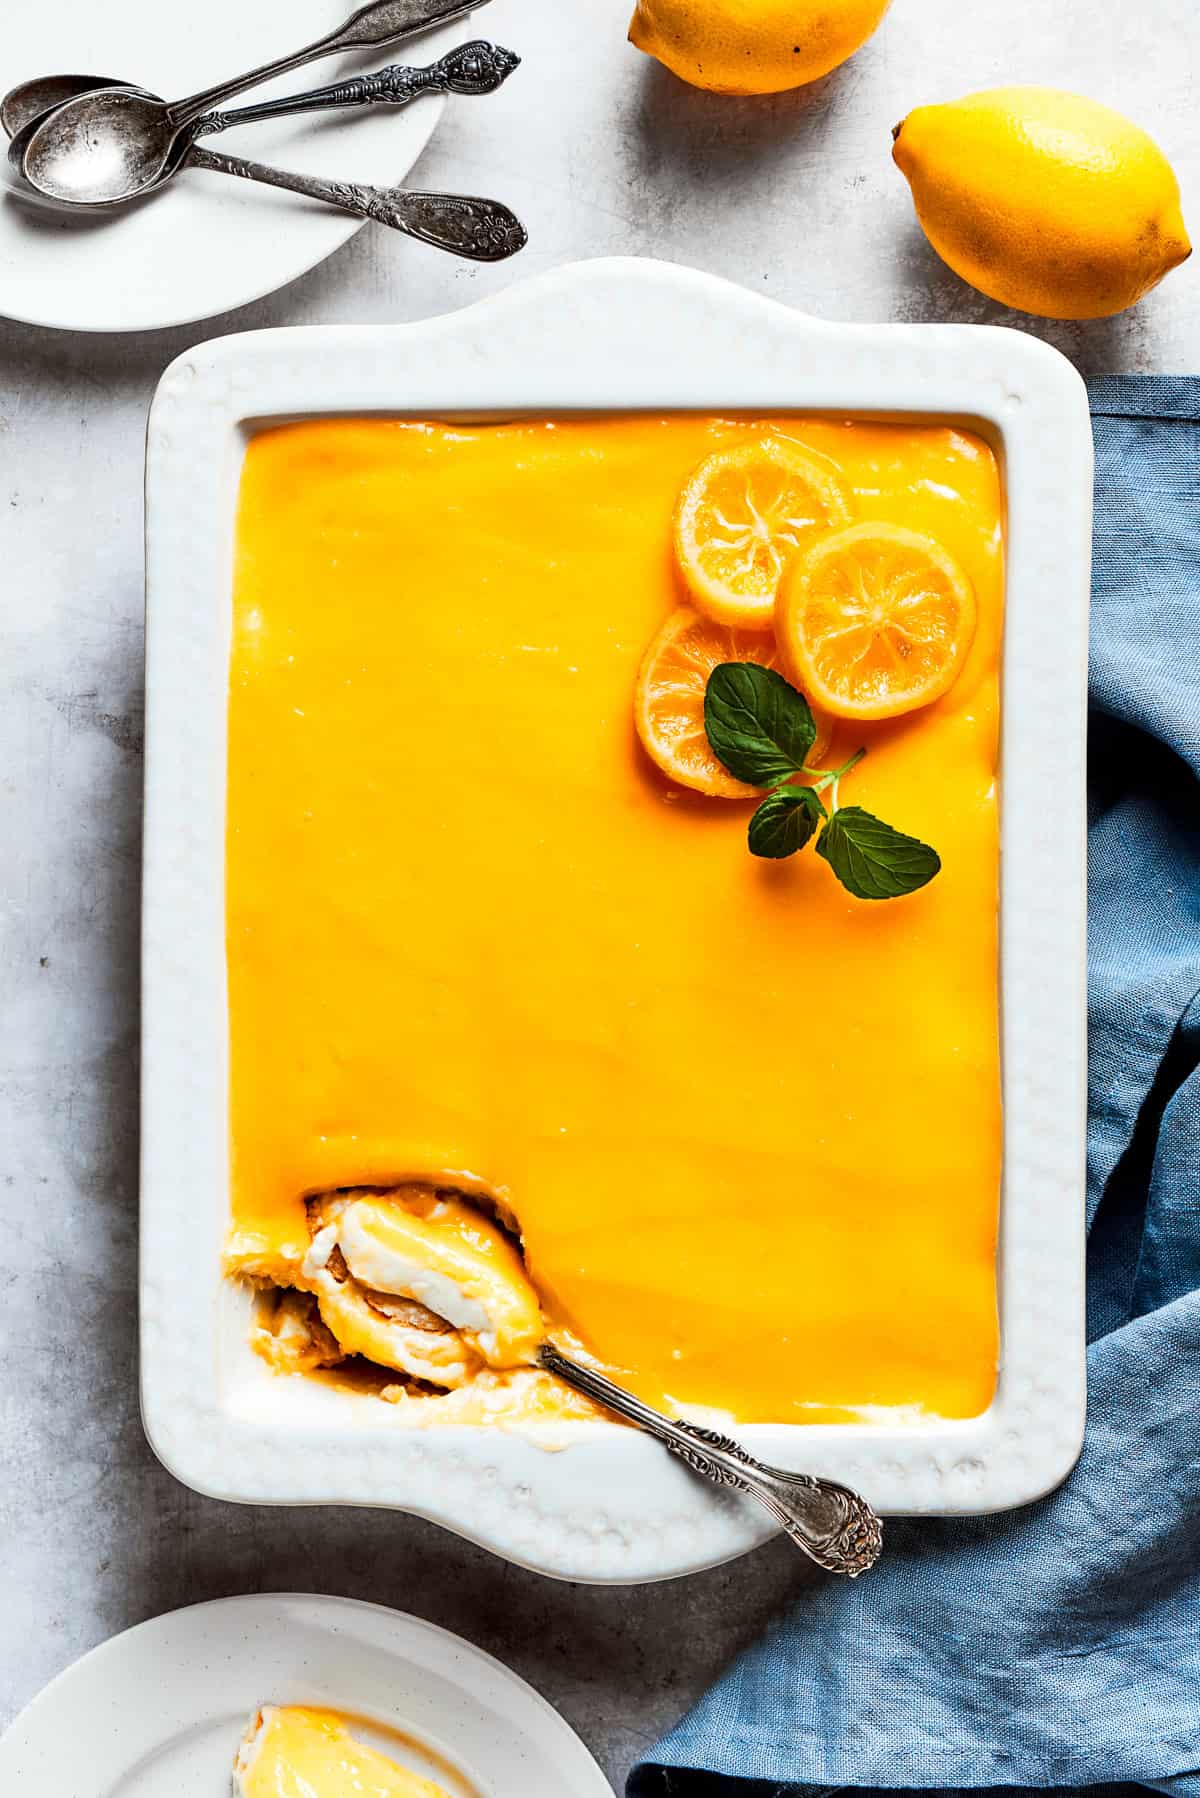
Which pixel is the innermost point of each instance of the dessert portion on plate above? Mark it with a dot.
(612, 875)
(291, 1751)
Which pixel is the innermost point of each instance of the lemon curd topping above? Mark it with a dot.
(292, 1751)
(749, 1124)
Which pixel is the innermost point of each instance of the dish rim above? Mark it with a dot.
(609, 336)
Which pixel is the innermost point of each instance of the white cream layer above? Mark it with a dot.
(375, 1265)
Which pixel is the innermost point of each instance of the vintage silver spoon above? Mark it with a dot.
(464, 224)
(834, 1526)
(474, 68)
(114, 143)
(482, 230)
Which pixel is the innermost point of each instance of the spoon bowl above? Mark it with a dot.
(101, 148)
(27, 101)
(26, 107)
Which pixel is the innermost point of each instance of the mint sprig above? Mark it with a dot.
(761, 729)
(786, 820)
(871, 859)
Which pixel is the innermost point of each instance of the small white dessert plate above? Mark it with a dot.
(158, 1711)
(206, 243)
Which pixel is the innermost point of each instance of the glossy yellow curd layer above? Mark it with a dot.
(750, 1126)
(292, 1751)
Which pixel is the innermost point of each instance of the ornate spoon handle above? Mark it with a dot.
(474, 68)
(834, 1526)
(377, 23)
(483, 230)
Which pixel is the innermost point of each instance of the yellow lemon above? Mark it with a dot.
(753, 46)
(1044, 200)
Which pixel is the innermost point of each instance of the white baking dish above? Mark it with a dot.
(606, 336)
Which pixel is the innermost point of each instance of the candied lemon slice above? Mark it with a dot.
(742, 516)
(874, 621)
(669, 700)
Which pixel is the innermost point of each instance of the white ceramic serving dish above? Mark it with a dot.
(598, 337)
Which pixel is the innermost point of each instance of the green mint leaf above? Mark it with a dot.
(758, 726)
(784, 822)
(872, 860)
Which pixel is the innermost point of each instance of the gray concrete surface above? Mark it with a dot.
(603, 153)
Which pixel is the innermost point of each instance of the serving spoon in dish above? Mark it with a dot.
(834, 1526)
(109, 145)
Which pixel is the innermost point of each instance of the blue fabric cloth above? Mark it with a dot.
(1058, 1645)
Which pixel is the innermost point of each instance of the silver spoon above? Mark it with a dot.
(834, 1526)
(474, 68)
(114, 143)
(482, 230)
(465, 224)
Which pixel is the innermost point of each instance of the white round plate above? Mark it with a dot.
(206, 243)
(158, 1712)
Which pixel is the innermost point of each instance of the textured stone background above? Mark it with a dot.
(603, 153)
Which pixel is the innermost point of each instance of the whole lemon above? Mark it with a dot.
(1043, 200)
(753, 46)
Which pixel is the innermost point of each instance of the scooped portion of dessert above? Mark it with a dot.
(290, 1751)
(418, 1281)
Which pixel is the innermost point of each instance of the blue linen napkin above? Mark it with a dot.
(1058, 1645)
